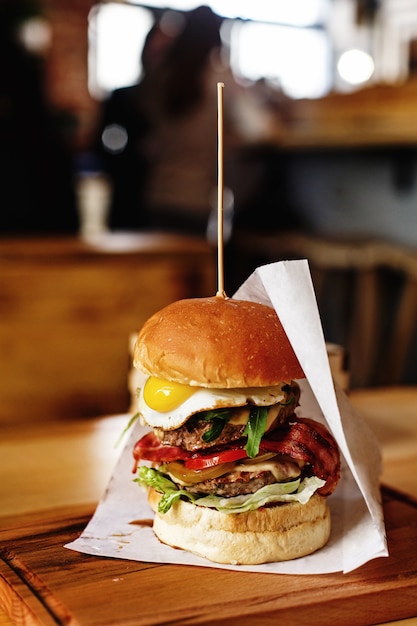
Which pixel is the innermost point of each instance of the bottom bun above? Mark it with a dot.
(277, 533)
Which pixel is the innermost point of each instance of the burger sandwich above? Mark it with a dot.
(232, 473)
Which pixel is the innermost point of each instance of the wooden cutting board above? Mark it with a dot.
(42, 583)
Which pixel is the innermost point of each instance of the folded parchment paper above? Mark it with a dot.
(118, 527)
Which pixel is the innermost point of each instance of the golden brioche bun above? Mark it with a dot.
(216, 342)
(276, 533)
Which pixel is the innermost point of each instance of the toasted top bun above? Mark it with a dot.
(216, 342)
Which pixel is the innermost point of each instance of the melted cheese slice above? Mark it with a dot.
(281, 470)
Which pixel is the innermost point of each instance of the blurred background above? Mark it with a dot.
(108, 135)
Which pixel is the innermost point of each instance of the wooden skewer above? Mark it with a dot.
(220, 193)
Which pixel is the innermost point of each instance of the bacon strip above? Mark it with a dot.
(309, 441)
(149, 448)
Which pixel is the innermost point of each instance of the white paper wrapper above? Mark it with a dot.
(118, 527)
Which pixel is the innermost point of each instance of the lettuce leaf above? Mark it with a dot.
(150, 477)
(291, 491)
(130, 423)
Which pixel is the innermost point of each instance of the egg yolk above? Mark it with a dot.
(164, 395)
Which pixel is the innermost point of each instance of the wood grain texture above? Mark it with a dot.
(46, 465)
(68, 308)
(378, 115)
(99, 591)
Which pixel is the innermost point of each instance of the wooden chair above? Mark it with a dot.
(374, 359)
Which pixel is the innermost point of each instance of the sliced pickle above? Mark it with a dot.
(189, 477)
(261, 458)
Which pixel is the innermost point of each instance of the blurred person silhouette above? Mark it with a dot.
(167, 162)
(37, 195)
(124, 135)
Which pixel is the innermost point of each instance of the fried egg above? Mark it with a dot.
(168, 405)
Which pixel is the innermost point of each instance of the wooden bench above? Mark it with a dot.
(68, 307)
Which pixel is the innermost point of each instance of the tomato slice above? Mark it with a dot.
(192, 476)
(202, 461)
(149, 448)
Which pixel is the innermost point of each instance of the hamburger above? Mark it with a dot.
(232, 473)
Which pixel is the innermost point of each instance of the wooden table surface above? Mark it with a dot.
(55, 469)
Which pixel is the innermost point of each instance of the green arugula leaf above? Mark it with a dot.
(218, 418)
(255, 429)
(126, 428)
(288, 402)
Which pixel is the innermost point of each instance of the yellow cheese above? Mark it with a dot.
(281, 470)
(240, 416)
